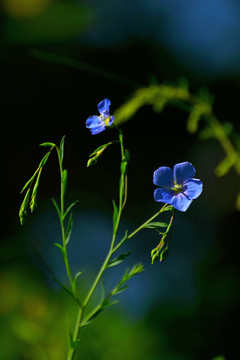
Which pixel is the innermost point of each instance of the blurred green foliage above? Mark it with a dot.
(32, 317)
(199, 107)
(33, 320)
(45, 21)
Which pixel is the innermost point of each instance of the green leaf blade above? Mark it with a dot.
(70, 207)
(155, 225)
(57, 209)
(119, 259)
(24, 206)
(61, 148)
(47, 144)
(69, 228)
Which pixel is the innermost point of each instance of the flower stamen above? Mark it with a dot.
(177, 188)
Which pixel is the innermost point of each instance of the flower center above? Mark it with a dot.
(177, 188)
(107, 119)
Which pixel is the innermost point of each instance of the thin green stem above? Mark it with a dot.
(122, 200)
(148, 221)
(65, 257)
(75, 333)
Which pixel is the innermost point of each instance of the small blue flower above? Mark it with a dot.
(178, 187)
(97, 124)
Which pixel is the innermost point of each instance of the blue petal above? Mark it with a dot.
(93, 121)
(192, 188)
(97, 129)
(103, 107)
(164, 195)
(183, 172)
(163, 177)
(181, 202)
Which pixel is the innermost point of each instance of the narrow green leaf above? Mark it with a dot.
(121, 289)
(70, 207)
(122, 241)
(23, 207)
(115, 213)
(61, 148)
(102, 147)
(103, 292)
(97, 310)
(129, 273)
(136, 269)
(58, 210)
(33, 202)
(118, 260)
(168, 208)
(154, 225)
(69, 228)
(47, 144)
(44, 160)
(29, 181)
(61, 248)
(64, 180)
(93, 158)
(75, 280)
(65, 289)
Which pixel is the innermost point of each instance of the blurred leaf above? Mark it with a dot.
(122, 241)
(195, 116)
(69, 228)
(129, 273)
(70, 207)
(58, 210)
(238, 202)
(154, 225)
(60, 21)
(75, 280)
(65, 288)
(123, 167)
(61, 248)
(119, 259)
(224, 166)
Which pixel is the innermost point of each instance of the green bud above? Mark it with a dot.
(154, 255)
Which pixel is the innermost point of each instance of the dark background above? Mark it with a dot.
(186, 308)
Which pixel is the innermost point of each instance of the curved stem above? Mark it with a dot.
(122, 201)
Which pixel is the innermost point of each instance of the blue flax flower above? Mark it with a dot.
(177, 187)
(97, 124)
